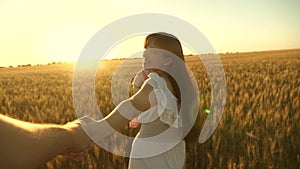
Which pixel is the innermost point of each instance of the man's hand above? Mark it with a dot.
(80, 142)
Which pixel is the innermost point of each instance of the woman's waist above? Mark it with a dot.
(159, 132)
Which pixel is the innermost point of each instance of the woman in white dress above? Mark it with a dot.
(165, 105)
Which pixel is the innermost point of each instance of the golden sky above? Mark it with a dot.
(38, 31)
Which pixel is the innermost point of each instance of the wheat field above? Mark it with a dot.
(259, 127)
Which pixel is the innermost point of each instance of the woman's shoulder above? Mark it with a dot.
(157, 81)
(162, 83)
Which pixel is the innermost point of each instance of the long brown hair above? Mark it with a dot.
(171, 44)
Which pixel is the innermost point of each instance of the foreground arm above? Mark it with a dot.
(27, 145)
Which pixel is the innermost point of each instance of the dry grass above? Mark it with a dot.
(259, 127)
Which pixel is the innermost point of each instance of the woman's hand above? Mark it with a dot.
(139, 79)
(134, 123)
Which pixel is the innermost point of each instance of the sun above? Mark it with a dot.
(64, 43)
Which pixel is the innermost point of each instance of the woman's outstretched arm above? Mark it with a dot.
(120, 116)
(27, 145)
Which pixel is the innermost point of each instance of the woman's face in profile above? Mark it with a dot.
(154, 58)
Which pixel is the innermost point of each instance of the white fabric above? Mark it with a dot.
(172, 159)
(165, 104)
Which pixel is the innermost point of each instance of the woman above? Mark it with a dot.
(165, 104)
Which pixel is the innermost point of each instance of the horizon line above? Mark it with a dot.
(122, 58)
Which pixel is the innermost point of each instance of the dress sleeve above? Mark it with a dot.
(164, 104)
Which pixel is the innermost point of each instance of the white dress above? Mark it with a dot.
(162, 115)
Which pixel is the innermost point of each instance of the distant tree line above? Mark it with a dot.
(29, 65)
